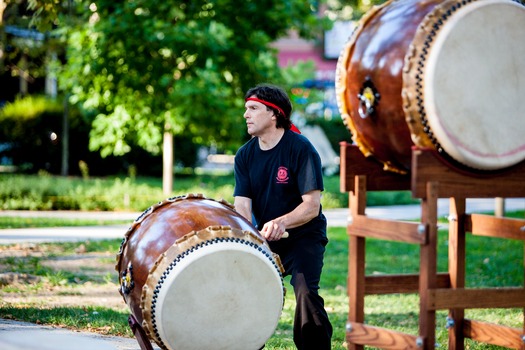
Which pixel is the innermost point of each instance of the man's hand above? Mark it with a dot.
(274, 231)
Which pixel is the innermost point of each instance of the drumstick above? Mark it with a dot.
(285, 234)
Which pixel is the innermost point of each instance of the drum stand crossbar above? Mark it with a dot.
(430, 179)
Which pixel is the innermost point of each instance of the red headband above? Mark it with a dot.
(269, 104)
(266, 103)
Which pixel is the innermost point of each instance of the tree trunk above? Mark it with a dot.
(167, 166)
(23, 75)
(65, 138)
(3, 5)
(51, 74)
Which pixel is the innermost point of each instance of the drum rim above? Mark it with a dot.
(413, 77)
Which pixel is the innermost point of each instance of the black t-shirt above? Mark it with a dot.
(275, 179)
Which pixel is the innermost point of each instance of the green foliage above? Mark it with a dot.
(84, 169)
(32, 115)
(350, 9)
(27, 109)
(31, 133)
(31, 126)
(146, 67)
(33, 192)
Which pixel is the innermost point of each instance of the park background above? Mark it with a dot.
(113, 106)
(147, 89)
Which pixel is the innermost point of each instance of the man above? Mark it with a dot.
(278, 183)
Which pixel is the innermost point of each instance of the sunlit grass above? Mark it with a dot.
(485, 267)
(34, 222)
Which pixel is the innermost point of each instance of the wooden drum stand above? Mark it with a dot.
(430, 179)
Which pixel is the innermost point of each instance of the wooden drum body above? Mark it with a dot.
(197, 275)
(448, 75)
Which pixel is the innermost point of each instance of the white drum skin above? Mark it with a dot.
(475, 85)
(229, 294)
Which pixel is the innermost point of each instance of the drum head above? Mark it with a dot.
(224, 294)
(474, 84)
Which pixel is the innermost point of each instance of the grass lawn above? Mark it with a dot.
(486, 266)
(41, 222)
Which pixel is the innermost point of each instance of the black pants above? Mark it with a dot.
(302, 258)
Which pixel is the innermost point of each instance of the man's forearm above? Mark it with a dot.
(302, 214)
(243, 207)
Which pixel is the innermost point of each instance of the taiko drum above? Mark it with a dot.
(446, 75)
(197, 275)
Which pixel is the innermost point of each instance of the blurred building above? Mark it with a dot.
(293, 49)
(324, 53)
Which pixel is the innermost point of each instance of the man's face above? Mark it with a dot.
(258, 117)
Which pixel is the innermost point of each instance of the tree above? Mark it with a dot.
(3, 5)
(21, 48)
(152, 69)
(350, 9)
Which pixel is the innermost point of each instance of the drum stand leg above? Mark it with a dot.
(139, 333)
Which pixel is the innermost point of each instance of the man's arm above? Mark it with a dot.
(243, 205)
(273, 230)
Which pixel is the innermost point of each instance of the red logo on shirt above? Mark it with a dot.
(282, 175)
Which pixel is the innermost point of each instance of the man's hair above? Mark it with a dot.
(277, 96)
